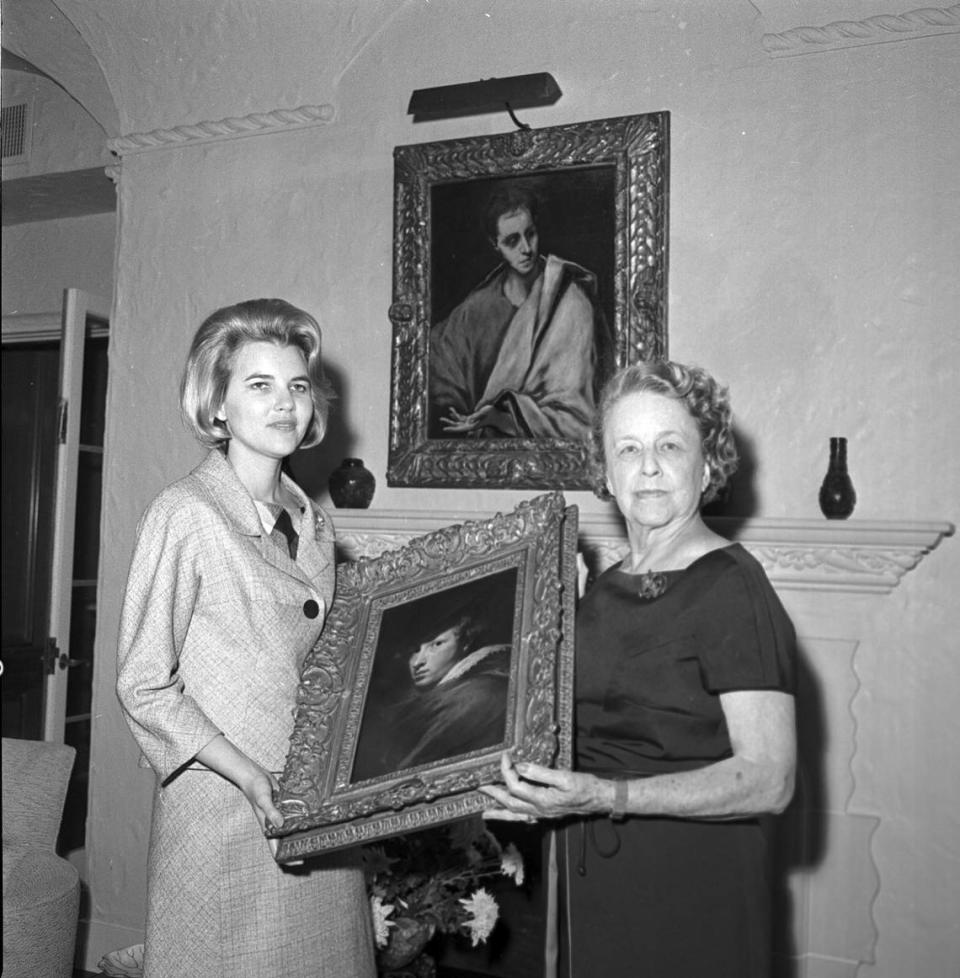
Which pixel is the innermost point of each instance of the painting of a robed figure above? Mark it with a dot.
(524, 354)
(527, 267)
(440, 679)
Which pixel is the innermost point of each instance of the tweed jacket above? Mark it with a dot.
(217, 621)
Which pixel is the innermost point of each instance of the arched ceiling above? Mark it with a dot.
(38, 36)
(155, 64)
(141, 65)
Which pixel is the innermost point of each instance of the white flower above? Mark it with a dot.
(511, 864)
(381, 926)
(483, 912)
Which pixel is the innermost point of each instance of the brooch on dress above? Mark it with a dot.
(652, 585)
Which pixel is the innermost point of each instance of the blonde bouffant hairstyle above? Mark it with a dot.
(707, 402)
(214, 351)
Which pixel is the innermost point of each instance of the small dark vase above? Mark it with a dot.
(351, 486)
(837, 495)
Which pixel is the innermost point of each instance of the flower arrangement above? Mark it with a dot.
(430, 881)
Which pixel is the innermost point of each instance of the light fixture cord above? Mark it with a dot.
(520, 125)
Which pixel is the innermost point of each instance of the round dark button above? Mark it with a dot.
(310, 608)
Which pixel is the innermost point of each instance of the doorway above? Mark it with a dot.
(54, 401)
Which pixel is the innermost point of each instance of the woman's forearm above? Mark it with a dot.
(229, 761)
(732, 788)
(257, 784)
(757, 779)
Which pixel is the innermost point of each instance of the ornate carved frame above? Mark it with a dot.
(323, 808)
(636, 149)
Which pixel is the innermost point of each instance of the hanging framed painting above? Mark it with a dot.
(526, 268)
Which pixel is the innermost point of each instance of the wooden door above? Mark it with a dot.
(30, 398)
(52, 477)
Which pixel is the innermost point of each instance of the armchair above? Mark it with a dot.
(41, 891)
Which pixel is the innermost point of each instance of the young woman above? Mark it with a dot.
(229, 585)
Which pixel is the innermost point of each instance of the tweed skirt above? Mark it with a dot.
(218, 905)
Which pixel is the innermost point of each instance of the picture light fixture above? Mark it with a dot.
(488, 95)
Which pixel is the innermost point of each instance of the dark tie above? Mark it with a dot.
(284, 534)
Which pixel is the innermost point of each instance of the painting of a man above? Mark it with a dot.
(454, 673)
(521, 356)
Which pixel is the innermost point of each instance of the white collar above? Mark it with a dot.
(467, 663)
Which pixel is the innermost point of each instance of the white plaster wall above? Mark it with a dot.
(885, 677)
(41, 260)
(813, 256)
(63, 135)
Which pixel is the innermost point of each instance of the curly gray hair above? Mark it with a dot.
(707, 402)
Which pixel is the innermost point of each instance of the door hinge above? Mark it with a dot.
(62, 406)
(51, 653)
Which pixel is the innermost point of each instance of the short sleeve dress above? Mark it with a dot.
(665, 897)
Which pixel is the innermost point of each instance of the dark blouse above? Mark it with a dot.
(649, 671)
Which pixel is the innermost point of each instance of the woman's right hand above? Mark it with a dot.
(259, 791)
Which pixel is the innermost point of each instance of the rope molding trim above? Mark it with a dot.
(873, 30)
(234, 127)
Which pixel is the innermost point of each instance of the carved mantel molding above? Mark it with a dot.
(797, 554)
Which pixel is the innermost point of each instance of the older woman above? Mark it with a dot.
(229, 585)
(685, 735)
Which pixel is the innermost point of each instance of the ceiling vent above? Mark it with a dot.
(15, 131)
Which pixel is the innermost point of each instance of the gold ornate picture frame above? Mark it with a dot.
(602, 188)
(372, 754)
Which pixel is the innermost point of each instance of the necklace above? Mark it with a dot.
(652, 585)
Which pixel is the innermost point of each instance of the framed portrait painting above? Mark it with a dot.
(527, 268)
(434, 659)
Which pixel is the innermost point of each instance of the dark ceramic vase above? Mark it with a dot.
(837, 495)
(351, 486)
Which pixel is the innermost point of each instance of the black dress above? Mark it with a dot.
(665, 897)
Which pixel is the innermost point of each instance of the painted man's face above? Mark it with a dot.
(432, 661)
(518, 241)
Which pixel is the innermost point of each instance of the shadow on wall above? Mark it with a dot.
(738, 499)
(311, 467)
(799, 836)
(801, 833)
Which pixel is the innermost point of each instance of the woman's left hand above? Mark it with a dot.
(532, 791)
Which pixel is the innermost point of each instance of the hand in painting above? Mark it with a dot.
(488, 416)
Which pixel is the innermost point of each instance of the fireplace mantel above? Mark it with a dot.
(798, 554)
(835, 577)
